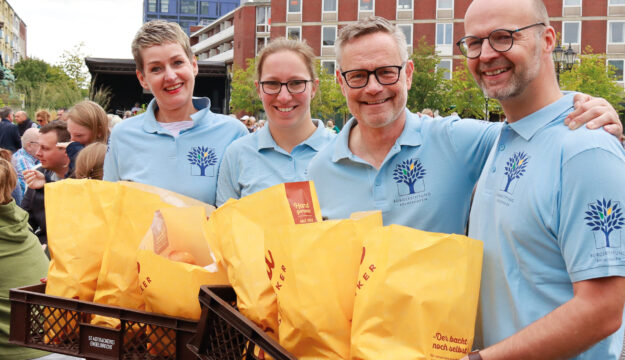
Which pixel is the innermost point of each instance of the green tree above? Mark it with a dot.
(466, 97)
(73, 64)
(243, 96)
(329, 102)
(429, 87)
(593, 77)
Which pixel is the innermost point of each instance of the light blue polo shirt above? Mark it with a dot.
(141, 150)
(425, 181)
(256, 162)
(549, 208)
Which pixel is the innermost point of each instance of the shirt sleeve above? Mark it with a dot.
(227, 184)
(591, 216)
(472, 141)
(110, 169)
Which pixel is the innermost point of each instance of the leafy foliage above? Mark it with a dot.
(329, 101)
(429, 87)
(243, 95)
(593, 77)
(605, 216)
(73, 64)
(467, 97)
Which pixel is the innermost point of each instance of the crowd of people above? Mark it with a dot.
(547, 201)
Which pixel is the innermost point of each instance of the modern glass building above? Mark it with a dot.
(187, 13)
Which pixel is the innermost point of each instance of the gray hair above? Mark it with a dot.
(370, 25)
(5, 112)
(31, 134)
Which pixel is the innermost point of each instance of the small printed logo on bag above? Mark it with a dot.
(514, 170)
(202, 160)
(409, 174)
(605, 219)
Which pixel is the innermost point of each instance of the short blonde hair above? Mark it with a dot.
(44, 114)
(283, 44)
(366, 26)
(158, 32)
(90, 162)
(8, 179)
(91, 115)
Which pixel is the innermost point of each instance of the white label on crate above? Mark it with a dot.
(102, 343)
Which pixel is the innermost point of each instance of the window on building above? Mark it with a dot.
(404, 4)
(152, 5)
(188, 7)
(328, 34)
(225, 7)
(616, 33)
(444, 4)
(294, 33)
(617, 67)
(263, 18)
(572, 2)
(444, 32)
(295, 6)
(617, 2)
(407, 30)
(365, 5)
(260, 43)
(164, 6)
(329, 66)
(571, 32)
(329, 5)
(446, 65)
(209, 8)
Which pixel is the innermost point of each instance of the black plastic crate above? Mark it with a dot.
(225, 334)
(141, 335)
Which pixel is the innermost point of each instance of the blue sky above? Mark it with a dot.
(106, 27)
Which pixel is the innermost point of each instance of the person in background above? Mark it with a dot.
(42, 117)
(23, 122)
(136, 109)
(177, 143)
(549, 202)
(250, 123)
(22, 260)
(428, 112)
(25, 158)
(90, 162)
(127, 114)
(280, 151)
(16, 193)
(261, 123)
(60, 114)
(87, 123)
(9, 134)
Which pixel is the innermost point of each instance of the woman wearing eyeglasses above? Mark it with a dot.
(280, 151)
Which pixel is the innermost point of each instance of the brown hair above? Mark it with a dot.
(90, 162)
(158, 32)
(91, 115)
(59, 127)
(283, 44)
(44, 114)
(8, 177)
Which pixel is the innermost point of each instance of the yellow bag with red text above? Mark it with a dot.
(416, 295)
(313, 270)
(237, 232)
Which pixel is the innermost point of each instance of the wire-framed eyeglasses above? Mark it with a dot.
(501, 40)
(385, 75)
(292, 86)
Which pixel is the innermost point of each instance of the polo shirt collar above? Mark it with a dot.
(529, 125)
(410, 136)
(150, 124)
(315, 141)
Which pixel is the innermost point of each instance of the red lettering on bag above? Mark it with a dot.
(362, 258)
(365, 276)
(278, 286)
(283, 268)
(359, 284)
(372, 268)
(270, 264)
(282, 277)
(301, 202)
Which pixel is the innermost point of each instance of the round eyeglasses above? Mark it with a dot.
(385, 75)
(292, 86)
(501, 40)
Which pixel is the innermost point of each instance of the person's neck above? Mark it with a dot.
(289, 138)
(533, 98)
(373, 144)
(175, 115)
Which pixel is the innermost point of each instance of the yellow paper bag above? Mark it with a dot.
(416, 295)
(313, 270)
(237, 231)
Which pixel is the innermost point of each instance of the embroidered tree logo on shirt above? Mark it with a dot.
(515, 167)
(408, 172)
(605, 216)
(203, 157)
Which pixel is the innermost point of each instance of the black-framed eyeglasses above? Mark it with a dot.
(385, 75)
(501, 40)
(292, 86)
